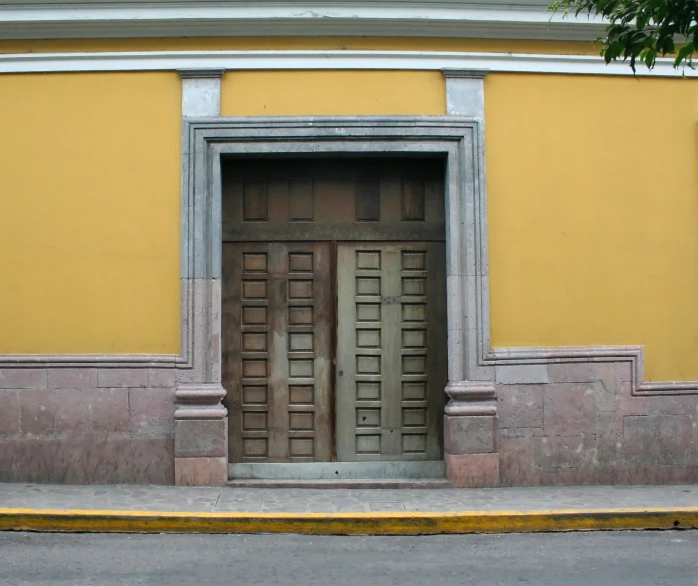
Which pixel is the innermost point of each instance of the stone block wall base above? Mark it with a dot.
(106, 460)
(201, 471)
(472, 470)
(584, 426)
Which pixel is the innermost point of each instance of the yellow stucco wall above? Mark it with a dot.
(89, 213)
(318, 93)
(592, 187)
(593, 211)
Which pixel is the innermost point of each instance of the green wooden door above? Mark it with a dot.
(391, 351)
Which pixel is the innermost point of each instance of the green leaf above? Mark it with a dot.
(683, 54)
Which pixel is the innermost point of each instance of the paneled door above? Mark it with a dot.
(277, 315)
(334, 322)
(391, 351)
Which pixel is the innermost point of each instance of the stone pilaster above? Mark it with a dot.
(201, 435)
(201, 421)
(470, 434)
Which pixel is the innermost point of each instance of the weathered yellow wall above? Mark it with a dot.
(593, 204)
(593, 214)
(288, 93)
(89, 213)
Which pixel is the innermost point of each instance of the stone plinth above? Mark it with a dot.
(470, 435)
(201, 435)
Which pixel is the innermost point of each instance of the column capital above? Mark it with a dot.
(465, 73)
(201, 73)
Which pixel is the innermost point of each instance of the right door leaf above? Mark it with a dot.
(391, 351)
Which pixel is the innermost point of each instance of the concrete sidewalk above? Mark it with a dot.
(344, 511)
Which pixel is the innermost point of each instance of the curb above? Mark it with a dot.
(92, 521)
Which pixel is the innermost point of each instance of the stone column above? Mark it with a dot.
(470, 421)
(201, 422)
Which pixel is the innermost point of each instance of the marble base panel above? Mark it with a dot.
(560, 424)
(585, 426)
(472, 470)
(87, 425)
(201, 471)
(87, 460)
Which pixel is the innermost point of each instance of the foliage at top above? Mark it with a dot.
(642, 29)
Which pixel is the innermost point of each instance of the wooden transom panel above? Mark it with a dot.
(352, 199)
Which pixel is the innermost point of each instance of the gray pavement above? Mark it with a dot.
(255, 500)
(569, 559)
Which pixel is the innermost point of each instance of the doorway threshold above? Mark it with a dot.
(418, 474)
(385, 483)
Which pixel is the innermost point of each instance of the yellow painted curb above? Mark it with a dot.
(348, 523)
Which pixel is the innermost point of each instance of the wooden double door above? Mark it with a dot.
(333, 349)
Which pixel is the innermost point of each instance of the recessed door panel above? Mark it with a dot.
(391, 350)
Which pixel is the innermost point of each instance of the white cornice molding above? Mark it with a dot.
(502, 19)
(318, 60)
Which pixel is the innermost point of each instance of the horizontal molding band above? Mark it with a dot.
(634, 355)
(325, 60)
(454, 18)
(90, 361)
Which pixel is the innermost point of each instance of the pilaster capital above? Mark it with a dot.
(201, 73)
(465, 73)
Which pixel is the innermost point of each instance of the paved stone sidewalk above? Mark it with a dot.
(298, 500)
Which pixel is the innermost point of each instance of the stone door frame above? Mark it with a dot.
(200, 419)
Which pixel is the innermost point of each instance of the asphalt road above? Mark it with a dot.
(570, 559)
